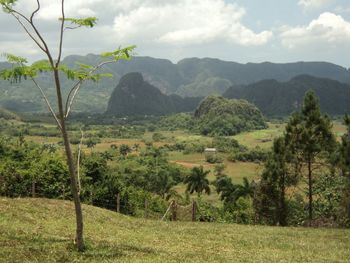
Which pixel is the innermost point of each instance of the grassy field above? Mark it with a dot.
(41, 230)
(264, 138)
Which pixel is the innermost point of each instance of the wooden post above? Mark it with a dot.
(118, 202)
(33, 188)
(194, 210)
(173, 211)
(146, 208)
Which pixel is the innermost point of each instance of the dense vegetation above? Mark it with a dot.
(307, 156)
(275, 98)
(139, 167)
(142, 163)
(220, 116)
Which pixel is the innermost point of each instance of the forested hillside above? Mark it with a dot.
(275, 98)
(220, 116)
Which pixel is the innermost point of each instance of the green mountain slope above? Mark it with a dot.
(41, 230)
(275, 98)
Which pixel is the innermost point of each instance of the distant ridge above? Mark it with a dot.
(276, 98)
(191, 77)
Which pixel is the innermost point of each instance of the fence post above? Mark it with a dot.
(173, 210)
(194, 210)
(33, 188)
(146, 208)
(118, 202)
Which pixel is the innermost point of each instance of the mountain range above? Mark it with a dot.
(191, 77)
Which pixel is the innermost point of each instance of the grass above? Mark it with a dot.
(41, 230)
(264, 138)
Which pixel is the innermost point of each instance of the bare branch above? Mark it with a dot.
(61, 35)
(35, 11)
(47, 102)
(27, 31)
(69, 103)
(70, 27)
(77, 86)
(78, 161)
(44, 46)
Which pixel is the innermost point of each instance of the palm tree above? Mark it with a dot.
(197, 181)
(245, 189)
(231, 192)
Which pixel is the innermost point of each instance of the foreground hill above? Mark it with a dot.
(190, 77)
(275, 98)
(135, 96)
(41, 230)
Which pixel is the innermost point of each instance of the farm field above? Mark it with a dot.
(41, 230)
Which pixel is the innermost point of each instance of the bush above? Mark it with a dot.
(157, 137)
(213, 158)
(255, 155)
(226, 144)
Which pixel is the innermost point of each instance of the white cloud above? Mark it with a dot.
(313, 4)
(186, 22)
(328, 30)
(51, 9)
(172, 23)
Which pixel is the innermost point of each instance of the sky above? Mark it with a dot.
(235, 30)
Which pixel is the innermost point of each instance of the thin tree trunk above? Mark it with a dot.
(146, 208)
(33, 188)
(283, 212)
(310, 190)
(194, 210)
(118, 202)
(71, 167)
(174, 211)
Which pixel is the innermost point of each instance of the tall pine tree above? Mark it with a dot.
(310, 140)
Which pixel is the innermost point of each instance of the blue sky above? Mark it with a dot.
(237, 30)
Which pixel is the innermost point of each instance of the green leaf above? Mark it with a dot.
(118, 54)
(85, 66)
(7, 5)
(13, 59)
(42, 66)
(16, 74)
(88, 21)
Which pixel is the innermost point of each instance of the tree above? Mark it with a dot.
(197, 181)
(124, 149)
(270, 199)
(310, 139)
(53, 65)
(162, 183)
(345, 167)
(231, 192)
(91, 143)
